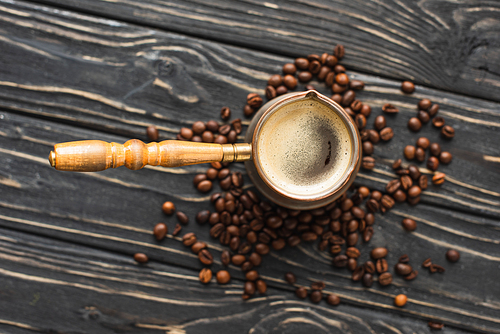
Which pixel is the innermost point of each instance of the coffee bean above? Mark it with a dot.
(392, 186)
(323, 72)
(254, 101)
(182, 218)
(223, 276)
(352, 264)
(423, 116)
(445, 157)
(216, 230)
(168, 208)
(379, 122)
(367, 234)
(289, 68)
(372, 205)
(424, 104)
(436, 268)
(403, 269)
(422, 182)
(420, 154)
(423, 143)
(376, 195)
(348, 97)
(447, 132)
(318, 285)
(252, 275)
(197, 128)
(275, 80)
(360, 121)
(386, 134)
(340, 261)
(141, 257)
(369, 219)
(387, 202)
(435, 149)
(249, 288)
(342, 79)
(301, 292)
(406, 182)
(290, 81)
(435, 325)
(301, 63)
(338, 89)
(339, 51)
(261, 286)
(414, 191)
(316, 296)
(399, 196)
(368, 163)
(333, 299)
(177, 229)
(270, 92)
(356, 84)
(366, 110)
(314, 67)
(358, 273)
(407, 87)
(414, 124)
(385, 279)
(402, 171)
(389, 109)
(152, 133)
(207, 137)
(369, 267)
(409, 224)
(378, 253)
(411, 275)
(204, 186)
(432, 163)
(452, 255)
(400, 300)
(427, 263)
(352, 252)
(205, 275)
(396, 164)
(160, 231)
(414, 172)
(433, 110)
(438, 122)
(262, 249)
(381, 266)
(409, 152)
(367, 280)
(305, 76)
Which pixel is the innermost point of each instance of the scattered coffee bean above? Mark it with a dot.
(380, 122)
(427, 263)
(414, 124)
(438, 122)
(423, 116)
(333, 299)
(445, 157)
(367, 280)
(403, 269)
(223, 276)
(385, 279)
(386, 134)
(368, 163)
(316, 296)
(189, 239)
(447, 132)
(420, 154)
(400, 300)
(404, 259)
(254, 100)
(289, 68)
(205, 275)
(435, 325)
(438, 178)
(433, 163)
(378, 253)
(423, 143)
(186, 133)
(141, 257)
(435, 149)
(411, 276)
(160, 231)
(452, 255)
(261, 286)
(389, 109)
(407, 87)
(275, 80)
(339, 51)
(424, 104)
(182, 217)
(409, 224)
(433, 110)
(382, 266)
(409, 152)
(414, 172)
(301, 292)
(177, 229)
(152, 133)
(168, 208)
(205, 257)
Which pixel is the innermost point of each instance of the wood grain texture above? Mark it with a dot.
(79, 208)
(68, 76)
(450, 45)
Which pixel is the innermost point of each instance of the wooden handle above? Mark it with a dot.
(96, 155)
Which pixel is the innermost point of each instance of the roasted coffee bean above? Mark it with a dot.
(409, 152)
(223, 276)
(369, 219)
(275, 80)
(420, 154)
(207, 137)
(293, 241)
(314, 66)
(406, 182)
(189, 239)
(445, 157)
(358, 212)
(367, 280)
(358, 273)
(225, 184)
(366, 110)
(352, 264)
(261, 286)
(225, 238)
(316, 296)
(238, 259)
(422, 182)
(369, 267)
(403, 269)
(372, 205)
(414, 191)
(338, 89)
(290, 278)
(141, 257)
(198, 178)
(289, 68)
(309, 236)
(438, 122)
(249, 289)
(248, 111)
(427, 263)
(253, 100)
(168, 208)
(216, 230)
(368, 163)
(376, 195)
(399, 196)
(402, 171)
(225, 257)
(348, 97)
(346, 204)
(280, 90)
(305, 76)
(452, 255)
(232, 137)
(252, 275)
(220, 204)
(301, 63)
(340, 261)
(373, 136)
(212, 173)
(423, 143)
(244, 248)
(364, 134)
(225, 114)
(411, 276)
(396, 164)
(367, 234)
(392, 186)
(385, 279)
(301, 292)
(342, 79)
(435, 149)
(409, 224)
(400, 300)
(436, 268)
(407, 87)
(290, 81)
(381, 266)
(378, 253)
(212, 126)
(423, 116)
(352, 252)
(379, 122)
(389, 109)
(360, 121)
(262, 249)
(435, 325)
(198, 246)
(433, 110)
(205, 257)
(177, 229)
(160, 231)
(204, 186)
(274, 221)
(270, 92)
(205, 275)
(386, 134)
(424, 104)
(278, 244)
(413, 200)
(339, 51)
(352, 239)
(234, 243)
(447, 132)
(198, 128)
(356, 84)
(432, 163)
(414, 172)
(329, 81)
(323, 72)
(333, 299)
(318, 285)
(387, 202)
(152, 133)
(414, 124)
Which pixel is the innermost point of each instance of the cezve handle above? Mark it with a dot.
(96, 155)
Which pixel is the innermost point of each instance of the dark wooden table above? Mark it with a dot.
(90, 69)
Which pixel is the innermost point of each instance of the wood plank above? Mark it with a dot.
(442, 44)
(83, 208)
(101, 74)
(59, 287)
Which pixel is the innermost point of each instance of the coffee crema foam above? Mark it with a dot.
(304, 147)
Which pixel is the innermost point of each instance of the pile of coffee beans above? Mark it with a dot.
(250, 227)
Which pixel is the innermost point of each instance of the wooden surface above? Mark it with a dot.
(67, 240)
